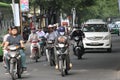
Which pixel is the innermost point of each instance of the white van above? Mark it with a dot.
(97, 35)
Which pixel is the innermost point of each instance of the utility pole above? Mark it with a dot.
(74, 16)
(119, 5)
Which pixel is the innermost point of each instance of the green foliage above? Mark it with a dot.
(4, 4)
(103, 9)
(85, 8)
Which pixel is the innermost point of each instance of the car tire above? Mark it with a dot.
(109, 50)
(1, 58)
(118, 34)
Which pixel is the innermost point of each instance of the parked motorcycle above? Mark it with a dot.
(35, 50)
(14, 62)
(62, 54)
(50, 54)
(78, 47)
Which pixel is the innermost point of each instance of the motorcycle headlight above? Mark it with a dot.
(12, 54)
(61, 45)
(107, 37)
(76, 38)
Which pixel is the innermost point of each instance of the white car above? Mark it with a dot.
(97, 36)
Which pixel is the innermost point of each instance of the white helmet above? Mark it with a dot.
(54, 24)
(50, 26)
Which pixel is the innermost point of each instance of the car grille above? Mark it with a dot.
(89, 44)
(94, 38)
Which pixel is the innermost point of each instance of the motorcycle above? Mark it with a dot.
(50, 54)
(35, 50)
(42, 45)
(14, 62)
(26, 32)
(62, 54)
(78, 47)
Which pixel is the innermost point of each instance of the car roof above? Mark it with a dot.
(117, 22)
(95, 21)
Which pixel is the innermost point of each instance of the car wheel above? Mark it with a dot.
(109, 50)
(118, 34)
(1, 58)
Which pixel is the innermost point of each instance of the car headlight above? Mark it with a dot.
(106, 37)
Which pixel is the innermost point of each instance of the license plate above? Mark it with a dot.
(94, 43)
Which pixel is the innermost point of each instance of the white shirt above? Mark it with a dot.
(50, 36)
(5, 37)
(40, 33)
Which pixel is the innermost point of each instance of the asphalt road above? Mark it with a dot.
(95, 65)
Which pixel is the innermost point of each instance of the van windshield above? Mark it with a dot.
(95, 28)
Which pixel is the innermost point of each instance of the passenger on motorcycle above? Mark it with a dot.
(16, 39)
(77, 32)
(33, 36)
(64, 39)
(3, 43)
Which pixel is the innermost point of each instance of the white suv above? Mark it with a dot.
(97, 35)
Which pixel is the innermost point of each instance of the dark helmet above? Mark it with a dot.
(61, 29)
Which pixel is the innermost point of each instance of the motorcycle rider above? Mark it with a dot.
(40, 32)
(77, 32)
(26, 32)
(33, 36)
(41, 35)
(63, 38)
(50, 35)
(16, 39)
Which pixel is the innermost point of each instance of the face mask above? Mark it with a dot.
(62, 33)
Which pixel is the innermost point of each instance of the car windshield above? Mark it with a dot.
(95, 28)
(118, 25)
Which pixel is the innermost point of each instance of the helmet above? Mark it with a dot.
(50, 26)
(54, 25)
(61, 30)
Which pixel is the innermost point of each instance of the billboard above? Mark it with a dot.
(24, 5)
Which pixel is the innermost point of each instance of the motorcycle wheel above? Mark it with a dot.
(19, 69)
(52, 60)
(62, 69)
(36, 56)
(79, 53)
(12, 72)
(66, 72)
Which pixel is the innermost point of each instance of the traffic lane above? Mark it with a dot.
(42, 71)
(89, 68)
(93, 66)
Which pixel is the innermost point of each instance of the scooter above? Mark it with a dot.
(14, 62)
(62, 54)
(35, 50)
(78, 47)
(42, 43)
(50, 52)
